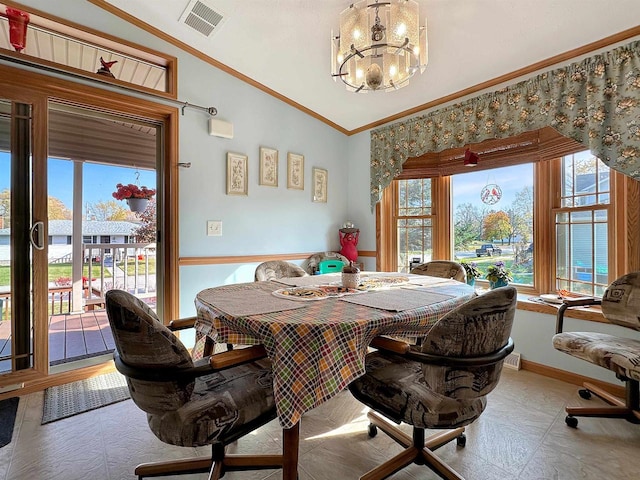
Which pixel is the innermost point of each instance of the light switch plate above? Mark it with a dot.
(214, 228)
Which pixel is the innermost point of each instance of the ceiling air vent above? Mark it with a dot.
(202, 18)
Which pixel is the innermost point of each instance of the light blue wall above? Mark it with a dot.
(275, 220)
(269, 220)
(359, 211)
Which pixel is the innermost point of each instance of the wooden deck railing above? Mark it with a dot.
(127, 266)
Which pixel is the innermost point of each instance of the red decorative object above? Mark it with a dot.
(105, 69)
(470, 158)
(124, 192)
(349, 242)
(18, 21)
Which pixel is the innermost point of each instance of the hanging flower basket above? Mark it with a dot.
(137, 204)
(136, 197)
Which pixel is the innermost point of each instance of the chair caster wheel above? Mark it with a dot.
(461, 440)
(584, 393)
(571, 421)
(373, 430)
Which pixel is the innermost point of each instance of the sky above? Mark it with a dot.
(98, 185)
(100, 182)
(467, 187)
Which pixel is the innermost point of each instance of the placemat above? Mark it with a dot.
(398, 299)
(429, 281)
(311, 280)
(454, 289)
(255, 301)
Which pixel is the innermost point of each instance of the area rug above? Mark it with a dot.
(70, 399)
(8, 410)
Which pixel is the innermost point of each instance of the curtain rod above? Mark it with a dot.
(213, 111)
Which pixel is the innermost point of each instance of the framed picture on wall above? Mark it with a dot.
(268, 167)
(320, 177)
(237, 174)
(295, 171)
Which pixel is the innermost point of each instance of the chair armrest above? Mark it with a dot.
(181, 324)
(205, 366)
(390, 345)
(571, 303)
(448, 361)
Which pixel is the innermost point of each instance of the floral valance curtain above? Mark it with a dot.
(596, 102)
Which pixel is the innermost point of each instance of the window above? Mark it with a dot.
(414, 223)
(581, 225)
(564, 219)
(493, 219)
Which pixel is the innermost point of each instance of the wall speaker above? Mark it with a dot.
(220, 128)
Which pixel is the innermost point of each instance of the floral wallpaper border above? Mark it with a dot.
(595, 101)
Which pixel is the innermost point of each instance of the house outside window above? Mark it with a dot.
(582, 225)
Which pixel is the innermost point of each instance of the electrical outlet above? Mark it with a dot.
(214, 228)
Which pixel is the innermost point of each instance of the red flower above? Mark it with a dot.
(132, 191)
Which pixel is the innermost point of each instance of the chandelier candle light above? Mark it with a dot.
(380, 45)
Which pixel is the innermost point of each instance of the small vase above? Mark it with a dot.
(498, 283)
(137, 204)
(471, 281)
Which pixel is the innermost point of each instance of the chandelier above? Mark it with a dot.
(380, 45)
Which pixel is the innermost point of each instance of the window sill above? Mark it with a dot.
(591, 314)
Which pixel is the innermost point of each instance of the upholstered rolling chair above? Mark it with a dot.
(214, 401)
(277, 269)
(443, 385)
(443, 269)
(621, 355)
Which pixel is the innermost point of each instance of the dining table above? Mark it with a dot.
(317, 332)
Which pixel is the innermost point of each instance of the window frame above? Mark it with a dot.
(99, 40)
(544, 148)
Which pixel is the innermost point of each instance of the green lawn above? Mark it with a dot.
(63, 270)
(142, 267)
(56, 271)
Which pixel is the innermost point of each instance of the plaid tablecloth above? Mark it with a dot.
(318, 347)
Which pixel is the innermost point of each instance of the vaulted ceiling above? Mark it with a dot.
(285, 45)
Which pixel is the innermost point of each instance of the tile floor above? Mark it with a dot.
(521, 435)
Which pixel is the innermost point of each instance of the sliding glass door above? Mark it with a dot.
(65, 239)
(22, 242)
(97, 241)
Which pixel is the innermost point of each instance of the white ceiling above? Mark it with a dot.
(285, 45)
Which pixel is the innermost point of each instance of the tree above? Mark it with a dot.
(146, 232)
(5, 207)
(107, 211)
(496, 225)
(521, 214)
(56, 210)
(467, 225)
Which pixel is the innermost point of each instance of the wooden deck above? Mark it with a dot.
(77, 336)
(72, 336)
